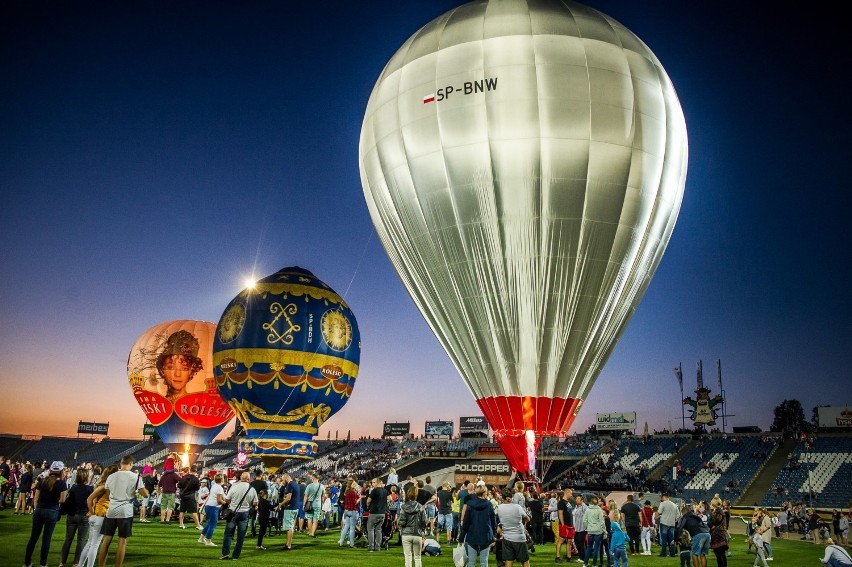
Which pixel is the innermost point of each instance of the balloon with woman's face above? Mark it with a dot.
(170, 370)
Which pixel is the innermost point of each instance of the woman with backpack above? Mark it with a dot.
(412, 522)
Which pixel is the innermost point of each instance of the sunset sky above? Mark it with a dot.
(153, 155)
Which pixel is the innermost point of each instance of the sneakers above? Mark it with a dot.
(210, 543)
(558, 560)
(201, 540)
(260, 547)
(182, 527)
(225, 557)
(199, 528)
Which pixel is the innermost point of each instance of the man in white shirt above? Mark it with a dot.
(122, 487)
(668, 514)
(241, 498)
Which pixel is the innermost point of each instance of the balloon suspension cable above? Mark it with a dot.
(339, 308)
(360, 261)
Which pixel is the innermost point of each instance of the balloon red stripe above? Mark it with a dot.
(512, 416)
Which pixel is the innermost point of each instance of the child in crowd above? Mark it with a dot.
(618, 544)
(264, 508)
(685, 548)
(759, 554)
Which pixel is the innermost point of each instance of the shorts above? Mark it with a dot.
(288, 519)
(700, 544)
(431, 512)
(143, 502)
(124, 526)
(315, 514)
(167, 502)
(515, 551)
(446, 521)
(188, 505)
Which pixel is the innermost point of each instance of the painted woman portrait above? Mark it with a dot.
(178, 364)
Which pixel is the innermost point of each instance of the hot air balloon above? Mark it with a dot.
(524, 164)
(286, 357)
(170, 369)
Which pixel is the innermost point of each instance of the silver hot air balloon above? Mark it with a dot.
(524, 163)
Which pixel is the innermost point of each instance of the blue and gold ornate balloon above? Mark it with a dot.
(285, 357)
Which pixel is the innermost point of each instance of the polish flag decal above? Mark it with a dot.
(429, 98)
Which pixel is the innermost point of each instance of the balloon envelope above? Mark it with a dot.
(524, 165)
(170, 369)
(286, 358)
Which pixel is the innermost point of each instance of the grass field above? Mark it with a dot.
(167, 545)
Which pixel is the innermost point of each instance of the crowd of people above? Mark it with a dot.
(102, 504)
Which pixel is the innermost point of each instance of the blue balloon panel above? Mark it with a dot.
(286, 357)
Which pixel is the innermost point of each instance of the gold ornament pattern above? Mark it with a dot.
(336, 330)
(232, 323)
(250, 413)
(286, 336)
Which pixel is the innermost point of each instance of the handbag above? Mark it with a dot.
(308, 506)
(229, 513)
(566, 531)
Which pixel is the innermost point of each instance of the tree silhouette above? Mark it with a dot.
(790, 419)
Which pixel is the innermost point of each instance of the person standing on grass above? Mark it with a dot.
(77, 523)
(313, 494)
(264, 510)
(618, 546)
(168, 490)
(578, 513)
(289, 508)
(212, 504)
(647, 519)
(595, 526)
(479, 527)
(445, 511)
(49, 494)
(241, 499)
(188, 486)
(763, 526)
(718, 532)
(122, 487)
(668, 515)
(632, 523)
(565, 530)
(412, 527)
(98, 503)
(512, 516)
(377, 506)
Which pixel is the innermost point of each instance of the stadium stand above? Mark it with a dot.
(55, 448)
(107, 451)
(719, 464)
(822, 466)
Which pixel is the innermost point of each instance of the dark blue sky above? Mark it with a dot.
(153, 154)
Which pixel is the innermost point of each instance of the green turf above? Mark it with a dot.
(154, 544)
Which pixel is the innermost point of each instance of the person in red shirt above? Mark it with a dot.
(351, 506)
(647, 519)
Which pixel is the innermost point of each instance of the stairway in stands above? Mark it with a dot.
(762, 482)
